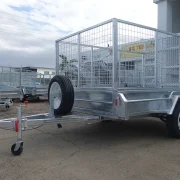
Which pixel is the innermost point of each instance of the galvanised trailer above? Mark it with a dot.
(19, 83)
(5, 104)
(113, 70)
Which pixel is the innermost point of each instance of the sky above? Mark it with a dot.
(29, 28)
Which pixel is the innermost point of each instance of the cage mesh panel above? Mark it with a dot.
(146, 58)
(68, 58)
(13, 77)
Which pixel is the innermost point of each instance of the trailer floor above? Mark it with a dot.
(137, 150)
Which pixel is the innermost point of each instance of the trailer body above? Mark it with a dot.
(113, 70)
(121, 69)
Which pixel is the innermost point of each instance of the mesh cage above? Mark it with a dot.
(120, 54)
(15, 77)
(86, 58)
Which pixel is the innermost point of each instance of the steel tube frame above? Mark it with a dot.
(115, 53)
(57, 58)
(79, 32)
(118, 20)
(143, 72)
(91, 66)
(156, 60)
(19, 134)
(79, 58)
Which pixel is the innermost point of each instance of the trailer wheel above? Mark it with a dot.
(62, 89)
(173, 123)
(18, 152)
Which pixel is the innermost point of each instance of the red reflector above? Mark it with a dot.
(25, 102)
(16, 125)
(116, 103)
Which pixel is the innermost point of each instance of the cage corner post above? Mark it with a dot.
(115, 61)
(79, 57)
(115, 52)
(57, 57)
(158, 72)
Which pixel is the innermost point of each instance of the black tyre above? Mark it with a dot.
(62, 89)
(173, 123)
(18, 152)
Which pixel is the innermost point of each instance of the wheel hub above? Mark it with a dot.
(56, 94)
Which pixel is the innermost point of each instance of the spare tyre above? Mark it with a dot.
(61, 93)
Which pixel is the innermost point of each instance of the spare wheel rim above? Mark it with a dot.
(56, 92)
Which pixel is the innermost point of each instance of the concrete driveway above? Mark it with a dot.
(132, 150)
